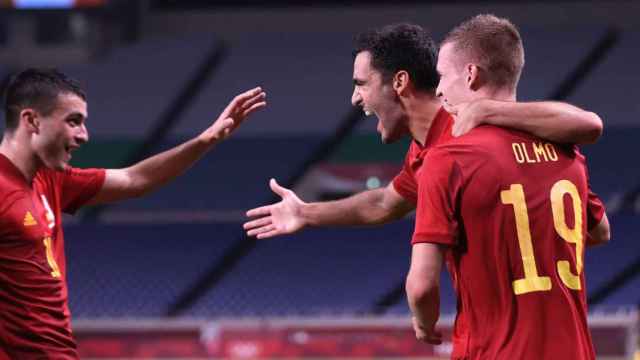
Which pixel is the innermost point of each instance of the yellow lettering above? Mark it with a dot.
(551, 151)
(517, 152)
(570, 235)
(526, 154)
(538, 149)
(531, 281)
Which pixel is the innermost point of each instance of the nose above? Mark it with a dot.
(438, 91)
(83, 135)
(356, 99)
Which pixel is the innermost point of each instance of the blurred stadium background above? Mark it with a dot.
(173, 276)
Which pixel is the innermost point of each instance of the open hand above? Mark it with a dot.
(276, 219)
(234, 114)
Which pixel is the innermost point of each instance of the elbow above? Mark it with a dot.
(593, 127)
(421, 290)
(137, 186)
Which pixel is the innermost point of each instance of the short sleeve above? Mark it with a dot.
(595, 210)
(437, 219)
(405, 183)
(79, 186)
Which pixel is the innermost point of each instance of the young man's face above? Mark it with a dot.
(61, 132)
(453, 87)
(375, 97)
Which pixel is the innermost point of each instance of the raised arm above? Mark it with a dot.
(153, 172)
(292, 214)
(551, 120)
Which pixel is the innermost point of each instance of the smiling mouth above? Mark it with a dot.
(70, 149)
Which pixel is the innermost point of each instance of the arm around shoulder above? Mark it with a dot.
(552, 120)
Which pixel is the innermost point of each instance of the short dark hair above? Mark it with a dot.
(494, 44)
(399, 47)
(38, 89)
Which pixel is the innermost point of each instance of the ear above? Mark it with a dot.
(29, 118)
(401, 82)
(473, 77)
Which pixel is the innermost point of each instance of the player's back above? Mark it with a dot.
(518, 264)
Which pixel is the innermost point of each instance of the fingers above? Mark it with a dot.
(434, 338)
(276, 188)
(248, 102)
(257, 223)
(254, 107)
(455, 129)
(268, 234)
(261, 230)
(261, 211)
(241, 99)
(248, 99)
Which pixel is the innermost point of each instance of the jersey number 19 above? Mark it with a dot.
(532, 281)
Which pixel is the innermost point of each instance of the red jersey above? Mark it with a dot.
(514, 210)
(406, 182)
(34, 315)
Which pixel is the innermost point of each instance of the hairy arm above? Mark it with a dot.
(551, 120)
(292, 214)
(370, 207)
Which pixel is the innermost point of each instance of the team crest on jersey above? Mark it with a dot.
(29, 219)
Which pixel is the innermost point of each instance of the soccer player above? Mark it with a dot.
(509, 211)
(46, 116)
(395, 78)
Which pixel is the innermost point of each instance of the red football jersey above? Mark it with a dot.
(406, 182)
(514, 210)
(34, 315)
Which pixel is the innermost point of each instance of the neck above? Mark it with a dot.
(20, 156)
(497, 94)
(421, 111)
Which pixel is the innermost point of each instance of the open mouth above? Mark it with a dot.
(70, 149)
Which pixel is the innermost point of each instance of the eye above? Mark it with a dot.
(74, 122)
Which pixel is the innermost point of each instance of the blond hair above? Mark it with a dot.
(492, 43)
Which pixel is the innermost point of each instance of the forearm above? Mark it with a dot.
(555, 121)
(424, 304)
(367, 208)
(157, 170)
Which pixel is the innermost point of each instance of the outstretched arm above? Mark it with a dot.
(153, 172)
(551, 120)
(292, 214)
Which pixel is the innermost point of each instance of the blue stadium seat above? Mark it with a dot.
(316, 272)
(138, 270)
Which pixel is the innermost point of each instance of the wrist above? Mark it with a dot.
(305, 214)
(207, 139)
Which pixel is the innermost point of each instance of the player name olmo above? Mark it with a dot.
(534, 152)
